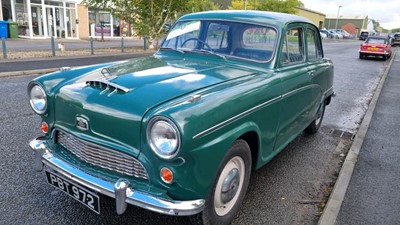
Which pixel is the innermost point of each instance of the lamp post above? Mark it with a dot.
(337, 17)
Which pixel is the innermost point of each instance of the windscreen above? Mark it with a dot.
(231, 39)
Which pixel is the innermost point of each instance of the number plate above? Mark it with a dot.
(373, 49)
(88, 198)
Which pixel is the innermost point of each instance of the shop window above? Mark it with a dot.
(112, 26)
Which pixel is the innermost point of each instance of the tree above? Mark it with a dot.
(285, 6)
(223, 4)
(201, 5)
(375, 24)
(243, 4)
(149, 17)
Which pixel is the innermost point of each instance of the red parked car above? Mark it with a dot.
(376, 46)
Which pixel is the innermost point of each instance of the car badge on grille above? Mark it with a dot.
(82, 123)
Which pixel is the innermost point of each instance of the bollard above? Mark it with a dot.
(102, 30)
(53, 47)
(122, 44)
(144, 44)
(3, 41)
(91, 46)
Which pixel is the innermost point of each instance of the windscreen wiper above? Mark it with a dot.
(172, 49)
(211, 52)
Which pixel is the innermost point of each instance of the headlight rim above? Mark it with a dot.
(30, 87)
(149, 140)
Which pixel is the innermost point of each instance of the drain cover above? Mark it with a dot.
(341, 134)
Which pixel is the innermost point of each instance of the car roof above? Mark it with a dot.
(249, 16)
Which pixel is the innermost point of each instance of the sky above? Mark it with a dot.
(386, 12)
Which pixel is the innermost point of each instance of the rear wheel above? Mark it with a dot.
(315, 124)
(362, 56)
(229, 187)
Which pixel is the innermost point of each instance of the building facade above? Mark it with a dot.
(62, 19)
(316, 17)
(43, 19)
(341, 22)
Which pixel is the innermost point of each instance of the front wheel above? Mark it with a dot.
(229, 187)
(315, 124)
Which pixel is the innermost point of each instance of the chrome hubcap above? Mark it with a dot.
(229, 186)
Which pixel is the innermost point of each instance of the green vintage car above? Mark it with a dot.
(181, 131)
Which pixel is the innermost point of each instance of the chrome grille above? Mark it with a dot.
(101, 156)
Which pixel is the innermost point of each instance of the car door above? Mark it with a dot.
(317, 68)
(297, 92)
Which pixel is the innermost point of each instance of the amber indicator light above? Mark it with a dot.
(166, 175)
(44, 127)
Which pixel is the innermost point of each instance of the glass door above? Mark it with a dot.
(71, 23)
(51, 21)
(37, 21)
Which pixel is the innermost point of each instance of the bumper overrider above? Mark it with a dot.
(121, 190)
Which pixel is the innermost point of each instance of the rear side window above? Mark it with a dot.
(293, 47)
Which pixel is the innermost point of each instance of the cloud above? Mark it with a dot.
(386, 12)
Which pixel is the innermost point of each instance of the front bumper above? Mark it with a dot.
(121, 190)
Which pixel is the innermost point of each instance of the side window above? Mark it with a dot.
(313, 48)
(293, 47)
(259, 38)
(217, 36)
(258, 43)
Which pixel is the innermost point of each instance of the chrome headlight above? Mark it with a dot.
(37, 99)
(163, 137)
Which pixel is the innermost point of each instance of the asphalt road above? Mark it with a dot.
(291, 189)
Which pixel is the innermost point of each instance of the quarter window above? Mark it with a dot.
(293, 47)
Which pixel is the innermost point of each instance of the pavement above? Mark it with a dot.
(367, 190)
(34, 56)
